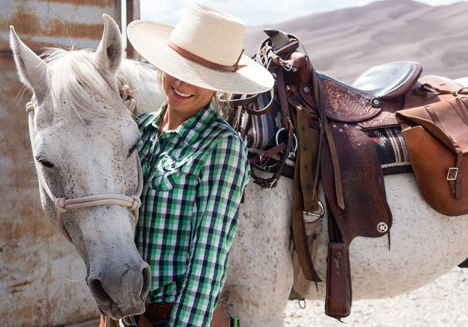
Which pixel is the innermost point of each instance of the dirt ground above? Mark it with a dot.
(442, 303)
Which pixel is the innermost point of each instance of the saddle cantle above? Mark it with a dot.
(388, 81)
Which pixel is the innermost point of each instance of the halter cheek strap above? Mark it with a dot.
(63, 205)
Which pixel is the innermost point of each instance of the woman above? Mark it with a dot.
(195, 165)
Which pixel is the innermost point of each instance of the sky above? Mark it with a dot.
(254, 12)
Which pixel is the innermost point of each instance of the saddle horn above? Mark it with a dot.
(278, 38)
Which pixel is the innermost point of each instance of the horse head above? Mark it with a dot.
(83, 141)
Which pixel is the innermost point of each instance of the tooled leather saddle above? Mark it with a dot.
(329, 122)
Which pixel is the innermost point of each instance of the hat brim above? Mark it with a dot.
(150, 39)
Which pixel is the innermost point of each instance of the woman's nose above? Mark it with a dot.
(181, 83)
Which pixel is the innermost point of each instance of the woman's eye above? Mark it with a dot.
(44, 162)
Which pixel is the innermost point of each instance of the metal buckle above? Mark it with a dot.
(278, 141)
(287, 66)
(310, 217)
(452, 174)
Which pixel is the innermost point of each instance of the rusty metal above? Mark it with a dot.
(41, 276)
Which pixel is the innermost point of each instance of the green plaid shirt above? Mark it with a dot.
(194, 180)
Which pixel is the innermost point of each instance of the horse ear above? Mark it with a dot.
(109, 52)
(32, 70)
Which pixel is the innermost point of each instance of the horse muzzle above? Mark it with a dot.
(121, 290)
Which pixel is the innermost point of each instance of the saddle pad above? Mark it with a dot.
(262, 129)
(366, 211)
(391, 150)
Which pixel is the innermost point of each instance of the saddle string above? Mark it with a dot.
(63, 205)
(426, 87)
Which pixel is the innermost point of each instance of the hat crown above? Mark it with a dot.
(210, 34)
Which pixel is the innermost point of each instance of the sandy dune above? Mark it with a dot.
(344, 43)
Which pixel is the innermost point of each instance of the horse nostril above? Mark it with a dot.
(95, 285)
(146, 282)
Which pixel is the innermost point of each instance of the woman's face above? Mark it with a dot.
(185, 97)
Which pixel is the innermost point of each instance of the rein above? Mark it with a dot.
(63, 205)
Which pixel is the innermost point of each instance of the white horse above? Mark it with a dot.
(83, 142)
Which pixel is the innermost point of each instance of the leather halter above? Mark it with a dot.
(63, 205)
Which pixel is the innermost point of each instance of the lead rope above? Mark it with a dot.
(63, 205)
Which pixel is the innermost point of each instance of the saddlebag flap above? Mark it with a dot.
(436, 136)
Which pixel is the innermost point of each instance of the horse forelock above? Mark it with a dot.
(73, 78)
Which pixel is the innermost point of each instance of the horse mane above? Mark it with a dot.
(141, 77)
(72, 75)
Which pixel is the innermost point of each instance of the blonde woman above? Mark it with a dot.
(195, 165)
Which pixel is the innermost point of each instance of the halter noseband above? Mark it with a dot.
(63, 205)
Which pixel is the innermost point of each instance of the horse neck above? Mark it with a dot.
(142, 79)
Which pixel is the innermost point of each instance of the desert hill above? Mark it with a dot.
(345, 42)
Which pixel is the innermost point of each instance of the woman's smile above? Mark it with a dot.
(185, 98)
(183, 95)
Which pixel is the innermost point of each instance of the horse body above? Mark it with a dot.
(424, 244)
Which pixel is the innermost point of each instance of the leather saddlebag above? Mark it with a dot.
(436, 136)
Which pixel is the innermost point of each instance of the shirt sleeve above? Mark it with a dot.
(222, 182)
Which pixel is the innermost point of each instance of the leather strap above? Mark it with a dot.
(162, 310)
(263, 157)
(281, 88)
(271, 181)
(338, 295)
(336, 167)
(299, 231)
(158, 311)
(305, 183)
(204, 62)
(307, 161)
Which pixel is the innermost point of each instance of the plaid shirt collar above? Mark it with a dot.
(189, 129)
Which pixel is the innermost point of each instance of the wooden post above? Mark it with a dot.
(133, 13)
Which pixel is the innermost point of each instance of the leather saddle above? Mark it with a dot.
(350, 167)
(376, 90)
(331, 119)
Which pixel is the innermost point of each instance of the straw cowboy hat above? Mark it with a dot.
(204, 49)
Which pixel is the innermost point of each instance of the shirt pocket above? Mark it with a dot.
(165, 182)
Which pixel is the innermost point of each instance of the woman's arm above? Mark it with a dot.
(222, 182)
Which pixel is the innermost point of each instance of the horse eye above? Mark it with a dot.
(44, 162)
